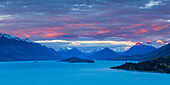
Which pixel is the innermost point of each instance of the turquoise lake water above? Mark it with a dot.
(59, 73)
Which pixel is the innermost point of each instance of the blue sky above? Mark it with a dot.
(87, 23)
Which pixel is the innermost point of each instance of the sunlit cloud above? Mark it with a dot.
(164, 20)
(51, 35)
(158, 28)
(129, 43)
(151, 4)
(127, 48)
(160, 41)
(5, 17)
(148, 42)
(87, 20)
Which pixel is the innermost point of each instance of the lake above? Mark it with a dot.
(59, 73)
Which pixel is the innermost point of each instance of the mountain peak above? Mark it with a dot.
(105, 54)
(16, 49)
(106, 49)
(139, 48)
(138, 44)
(8, 36)
(67, 53)
(74, 48)
(68, 49)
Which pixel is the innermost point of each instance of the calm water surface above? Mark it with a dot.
(58, 73)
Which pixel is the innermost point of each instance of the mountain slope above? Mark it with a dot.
(74, 52)
(16, 49)
(105, 54)
(161, 52)
(139, 48)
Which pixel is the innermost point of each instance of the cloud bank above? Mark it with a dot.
(78, 20)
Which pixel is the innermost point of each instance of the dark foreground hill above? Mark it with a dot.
(77, 60)
(16, 49)
(160, 64)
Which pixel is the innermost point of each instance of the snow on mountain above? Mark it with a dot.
(68, 52)
(139, 48)
(138, 44)
(8, 36)
(16, 49)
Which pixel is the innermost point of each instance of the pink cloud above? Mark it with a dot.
(52, 35)
(128, 27)
(158, 28)
(124, 35)
(35, 31)
(79, 25)
(102, 32)
(116, 21)
(148, 41)
(141, 31)
(160, 41)
(137, 25)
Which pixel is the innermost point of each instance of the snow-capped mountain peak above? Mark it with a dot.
(66, 49)
(8, 36)
(139, 48)
(27, 40)
(138, 44)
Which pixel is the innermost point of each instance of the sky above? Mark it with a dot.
(87, 23)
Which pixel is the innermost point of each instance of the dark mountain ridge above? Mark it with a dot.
(105, 54)
(159, 64)
(16, 49)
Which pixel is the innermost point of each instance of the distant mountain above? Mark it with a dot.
(139, 48)
(92, 52)
(73, 52)
(16, 49)
(105, 54)
(64, 49)
(161, 52)
(159, 64)
(77, 60)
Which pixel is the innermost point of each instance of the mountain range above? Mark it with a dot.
(161, 52)
(16, 49)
